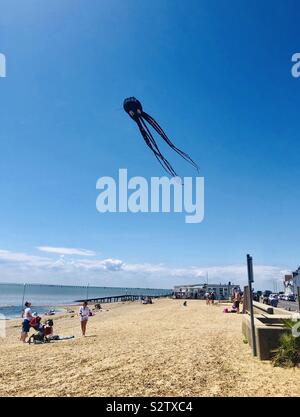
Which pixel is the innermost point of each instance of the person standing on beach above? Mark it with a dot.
(27, 316)
(84, 313)
(207, 298)
(212, 297)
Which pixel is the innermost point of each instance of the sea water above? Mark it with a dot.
(43, 297)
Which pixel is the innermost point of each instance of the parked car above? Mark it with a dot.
(273, 300)
(255, 296)
(273, 296)
(290, 297)
(265, 296)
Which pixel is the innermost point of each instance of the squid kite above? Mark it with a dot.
(134, 108)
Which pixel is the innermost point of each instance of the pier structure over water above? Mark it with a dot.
(118, 298)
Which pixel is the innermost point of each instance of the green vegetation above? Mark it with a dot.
(288, 353)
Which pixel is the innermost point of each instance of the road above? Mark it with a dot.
(289, 305)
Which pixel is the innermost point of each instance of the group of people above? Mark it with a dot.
(146, 300)
(210, 298)
(236, 299)
(32, 320)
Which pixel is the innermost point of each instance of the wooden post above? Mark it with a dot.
(245, 300)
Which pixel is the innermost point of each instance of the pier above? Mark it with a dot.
(118, 298)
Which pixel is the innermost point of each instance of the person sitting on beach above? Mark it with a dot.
(48, 329)
(35, 322)
(27, 316)
(37, 325)
(84, 313)
(45, 334)
(237, 300)
(233, 309)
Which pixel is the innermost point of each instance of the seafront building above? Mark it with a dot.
(222, 291)
(291, 282)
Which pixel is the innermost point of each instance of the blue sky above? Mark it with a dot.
(215, 74)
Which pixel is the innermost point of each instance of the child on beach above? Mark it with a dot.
(84, 313)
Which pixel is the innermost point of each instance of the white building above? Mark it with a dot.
(291, 282)
(222, 291)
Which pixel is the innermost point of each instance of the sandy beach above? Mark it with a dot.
(163, 349)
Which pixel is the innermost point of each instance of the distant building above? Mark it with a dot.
(291, 282)
(222, 291)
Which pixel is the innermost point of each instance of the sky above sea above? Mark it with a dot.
(215, 74)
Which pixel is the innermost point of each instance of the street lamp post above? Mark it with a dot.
(250, 302)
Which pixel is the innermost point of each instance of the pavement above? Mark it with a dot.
(289, 305)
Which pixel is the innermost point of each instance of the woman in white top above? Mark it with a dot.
(84, 313)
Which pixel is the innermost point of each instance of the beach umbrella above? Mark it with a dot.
(134, 108)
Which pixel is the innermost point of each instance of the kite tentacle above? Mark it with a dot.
(161, 132)
(153, 146)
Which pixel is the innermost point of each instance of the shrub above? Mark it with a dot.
(288, 353)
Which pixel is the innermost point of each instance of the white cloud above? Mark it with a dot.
(105, 264)
(112, 264)
(264, 275)
(66, 251)
(115, 272)
(22, 258)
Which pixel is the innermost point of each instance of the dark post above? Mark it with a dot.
(250, 302)
(298, 294)
(87, 291)
(23, 299)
